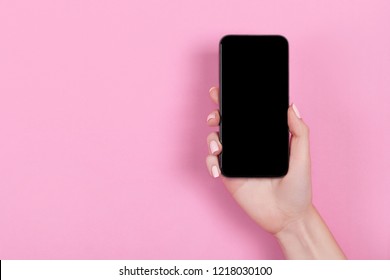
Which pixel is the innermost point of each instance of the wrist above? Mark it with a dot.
(308, 237)
(297, 224)
(297, 232)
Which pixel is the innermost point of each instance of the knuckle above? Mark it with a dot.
(212, 136)
(210, 159)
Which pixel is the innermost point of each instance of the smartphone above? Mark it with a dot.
(254, 99)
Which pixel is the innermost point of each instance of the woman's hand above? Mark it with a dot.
(272, 202)
(282, 206)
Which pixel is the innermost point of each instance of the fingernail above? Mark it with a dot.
(215, 171)
(211, 89)
(211, 116)
(296, 111)
(213, 147)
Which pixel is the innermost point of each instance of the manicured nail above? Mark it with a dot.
(215, 171)
(296, 111)
(211, 89)
(213, 147)
(211, 116)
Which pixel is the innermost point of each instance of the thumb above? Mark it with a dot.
(299, 143)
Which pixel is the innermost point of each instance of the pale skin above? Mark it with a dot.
(282, 206)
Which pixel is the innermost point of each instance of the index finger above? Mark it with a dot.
(214, 94)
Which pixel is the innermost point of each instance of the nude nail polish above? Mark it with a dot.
(213, 147)
(296, 111)
(214, 171)
(211, 116)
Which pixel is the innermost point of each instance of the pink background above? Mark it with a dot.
(103, 109)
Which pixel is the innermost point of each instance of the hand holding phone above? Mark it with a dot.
(281, 206)
(254, 120)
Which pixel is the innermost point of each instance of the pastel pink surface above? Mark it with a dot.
(103, 108)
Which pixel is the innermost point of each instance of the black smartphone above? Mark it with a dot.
(254, 100)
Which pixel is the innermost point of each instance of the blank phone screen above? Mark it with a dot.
(253, 106)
